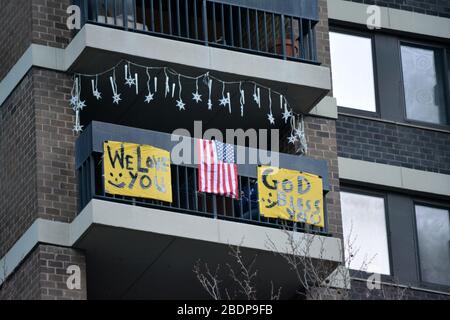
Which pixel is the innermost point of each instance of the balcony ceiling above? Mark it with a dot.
(98, 48)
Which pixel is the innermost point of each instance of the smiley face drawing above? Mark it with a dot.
(115, 182)
(270, 204)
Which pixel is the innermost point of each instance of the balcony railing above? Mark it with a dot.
(186, 198)
(211, 23)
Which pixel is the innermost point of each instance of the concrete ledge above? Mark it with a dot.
(41, 231)
(394, 177)
(392, 19)
(140, 219)
(299, 79)
(327, 107)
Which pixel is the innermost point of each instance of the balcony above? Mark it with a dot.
(186, 199)
(272, 43)
(150, 247)
(285, 32)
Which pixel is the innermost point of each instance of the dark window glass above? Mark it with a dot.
(433, 233)
(423, 84)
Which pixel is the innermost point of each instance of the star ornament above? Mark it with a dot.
(117, 98)
(271, 118)
(181, 105)
(97, 94)
(77, 128)
(80, 105)
(286, 115)
(197, 97)
(292, 139)
(73, 100)
(299, 133)
(149, 97)
(210, 105)
(224, 101)
(130, 82)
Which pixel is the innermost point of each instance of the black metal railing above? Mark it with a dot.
(210, 23)
(186, 198)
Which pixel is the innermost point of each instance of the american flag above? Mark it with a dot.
(217, 170)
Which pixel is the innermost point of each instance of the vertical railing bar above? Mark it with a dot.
(257, 29)
(309, 40)
(144, 17)
(314, 43)
(178, 18)
(266, 44)
(301, 48)
(152, 16)
(96, 10)
(106, 11)
(214, 201)
(222, 14)
(161, 17)
(186, 10)
(292, 37)
(135, 14)
(240, 198)
(114, 12)
(214, 22)
(92, 168)
(283, 36)
(274, 34)
(170, 16)
(195, 191)
(186, 187)
(249, 199)
(124, 14)
(248, 29)
(240, 27)
(205, 22)
(178, 187)
(195, 20)
(231, 26)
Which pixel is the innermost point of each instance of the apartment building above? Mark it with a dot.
(360, 97)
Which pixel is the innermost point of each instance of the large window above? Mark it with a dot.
(433, 234)
(365, 235)
(352, 71)
(423, 84)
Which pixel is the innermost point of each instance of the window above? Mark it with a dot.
(352, 70)
(433, 234)
(423, 84)
(364, 224)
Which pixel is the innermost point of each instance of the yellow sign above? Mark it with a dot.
(137, 171)
(290, 195)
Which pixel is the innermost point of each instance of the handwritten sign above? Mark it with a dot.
(290, 195)
(135, 170)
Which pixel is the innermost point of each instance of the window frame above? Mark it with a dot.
(435, 205)
(376, 194)
(359, 33)
(399, 114)
(442, 52)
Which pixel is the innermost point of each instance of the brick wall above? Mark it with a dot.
(55, 143)
(31, 21)
(432, 7)
(43, 275)
(321, 138)
(36, 155)
(17, 164)
(15, 32)
(322, 35)
(49, 23)
(393, 144)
